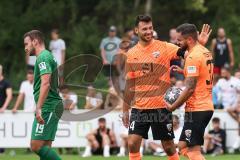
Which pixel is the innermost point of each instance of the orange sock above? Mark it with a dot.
(134, 156)
(184, 151)
(174, 157)
(195, 155)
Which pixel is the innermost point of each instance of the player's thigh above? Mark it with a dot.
(36, 145)
(169, 147)
(46, 131)
(139, 125)
(134, 142)
(162, 126)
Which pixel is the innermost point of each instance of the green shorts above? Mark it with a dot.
(46, 131)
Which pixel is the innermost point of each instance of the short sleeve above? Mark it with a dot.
(192, 66)
(102, 44)
(63, 46)
(128, 70)
(22, 88)
(44, 65)
(172, 50)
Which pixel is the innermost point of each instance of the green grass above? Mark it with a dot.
(76, 157)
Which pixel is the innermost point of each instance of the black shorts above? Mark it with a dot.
(194, 127)
(160, 121)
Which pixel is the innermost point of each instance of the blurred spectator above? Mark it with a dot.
(155, 35)
(113, 99)
(173, 80)
(129, 33)
(57, 47)
(5, 95)
(93, 99)
(30, 61)
(26, 93)
(237, 74)
(124, 144)
(70, 99)
(101, 141)
(216, 94)
(229, 88)
(222, 50)
(215, 140)
(5, 92)
(109, 46)
(177, 62)
(157, 147)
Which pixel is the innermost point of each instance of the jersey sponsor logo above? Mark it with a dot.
(192, 69)
(156, 54)
(42, 66)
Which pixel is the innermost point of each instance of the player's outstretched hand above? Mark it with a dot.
(204, 35)
(39, 116)
(169, 106)
(125, 119)
(177, 69)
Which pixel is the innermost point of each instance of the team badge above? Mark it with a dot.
(169, 127)
(156, 54)
(188, 133)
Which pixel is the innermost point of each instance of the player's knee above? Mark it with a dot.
(35, 147)
(170, 150)
(133, 146)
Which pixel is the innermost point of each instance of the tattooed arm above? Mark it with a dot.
(185, 95)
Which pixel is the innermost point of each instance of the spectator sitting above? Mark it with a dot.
(5, 92)
(215, 140)
(157, 147)
(129, 33)
(93, 99)
(113, 100)
(100, 141)
(70, 99)
(216, 94)
(26, 92)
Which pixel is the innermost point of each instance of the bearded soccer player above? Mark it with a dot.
(49, 105)
(148, 78)
(198, 72)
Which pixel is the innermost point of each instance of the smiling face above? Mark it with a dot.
(181, 41)
(145, 31)
(29, 46)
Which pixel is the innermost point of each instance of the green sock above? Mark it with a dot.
(46, 153)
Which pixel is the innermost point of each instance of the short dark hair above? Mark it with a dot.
(227, 68)
(176, 117)
(55, 30)
(29, 71)
(142, 18)
(187, 30)
(101, 120)
(216, 120)
(35, 34)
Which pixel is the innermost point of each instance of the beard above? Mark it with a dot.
(32, 52)
(142, 37)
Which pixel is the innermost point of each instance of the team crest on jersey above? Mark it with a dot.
(156, 54)
(188, 133)
(42, 66)
(169, 127)
(192, 69)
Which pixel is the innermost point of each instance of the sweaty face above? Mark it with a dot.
(181, 41)
(145, 31)
(28, 46)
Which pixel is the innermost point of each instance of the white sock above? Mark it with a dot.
(236, 143)
(141, 151)
(87, 150)
(106, 150)
(122, 150)
(159, 149)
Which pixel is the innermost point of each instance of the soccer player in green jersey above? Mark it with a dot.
(49, 105)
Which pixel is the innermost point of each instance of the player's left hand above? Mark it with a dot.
(204, 35)
(169, 106)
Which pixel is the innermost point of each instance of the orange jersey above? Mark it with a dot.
(199, 63)
(149, 67)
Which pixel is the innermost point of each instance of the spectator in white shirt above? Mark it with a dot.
(93, 99)
(57, 47)
(26, 94)
(70, 99)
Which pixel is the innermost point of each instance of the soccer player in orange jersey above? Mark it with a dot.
(148, 78)
(198, 72)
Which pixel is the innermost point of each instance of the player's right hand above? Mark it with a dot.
(39, 116)
(125, 119)
(176, 68)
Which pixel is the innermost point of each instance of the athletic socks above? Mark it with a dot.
(134, 156)
(106, 151)
(174, 157)
(195, 155)
(46, 153)
(141, 151)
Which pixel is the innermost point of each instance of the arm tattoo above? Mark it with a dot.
(191, 82)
